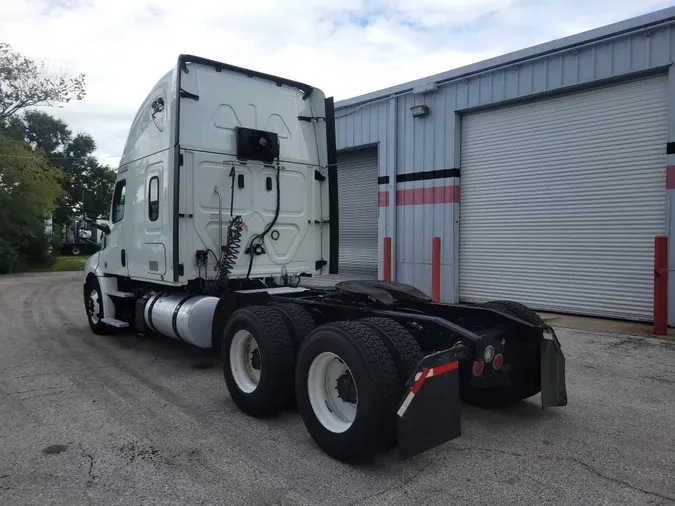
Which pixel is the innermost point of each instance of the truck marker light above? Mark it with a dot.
(498, 362)
(489, 353)
(477, 367)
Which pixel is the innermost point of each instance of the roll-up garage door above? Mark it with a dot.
(561, 199)
(357, 198)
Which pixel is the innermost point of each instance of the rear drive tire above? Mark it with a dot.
(346, 388)
(258, 360)
(402, 346)
(93, 305)
(298, 320)
(517, 310)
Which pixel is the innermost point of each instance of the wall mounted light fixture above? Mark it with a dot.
(419, 110)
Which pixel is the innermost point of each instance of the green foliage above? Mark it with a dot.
(44, 168)
(29, 189)
(25, 84)
(73, 155)
(56, 239)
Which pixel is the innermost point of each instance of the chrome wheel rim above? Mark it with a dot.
(94, 308)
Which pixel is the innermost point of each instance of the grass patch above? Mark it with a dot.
(65, 263)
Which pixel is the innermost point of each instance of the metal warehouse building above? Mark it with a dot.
(545, 172)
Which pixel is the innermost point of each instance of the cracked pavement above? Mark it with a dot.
(141, 420)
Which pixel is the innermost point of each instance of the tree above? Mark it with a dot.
(25, 84)
(73, 155)
(100, 179)
(29, 189)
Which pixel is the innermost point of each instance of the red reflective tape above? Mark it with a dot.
(451, 366)
(418, 383)
(383, 199)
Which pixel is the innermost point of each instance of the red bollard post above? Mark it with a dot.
(660, 285)
(436, 269)
(387, 258)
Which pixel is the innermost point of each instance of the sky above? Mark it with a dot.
(344, 47)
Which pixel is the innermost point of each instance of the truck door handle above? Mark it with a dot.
(124, 258)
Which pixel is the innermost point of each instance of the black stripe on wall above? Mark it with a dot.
(425, 176)
(670, 148)
(421, 176)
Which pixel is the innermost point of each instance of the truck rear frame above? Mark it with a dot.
(490, 355)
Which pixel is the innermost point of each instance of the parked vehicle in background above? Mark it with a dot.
(82, 238)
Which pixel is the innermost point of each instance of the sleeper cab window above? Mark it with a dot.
(153, 198)
(119, 198)
(157, 113)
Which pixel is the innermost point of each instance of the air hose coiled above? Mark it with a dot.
(232, 247)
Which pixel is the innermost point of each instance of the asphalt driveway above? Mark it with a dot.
(124, 419)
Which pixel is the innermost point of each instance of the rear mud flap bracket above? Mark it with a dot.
(429, 413)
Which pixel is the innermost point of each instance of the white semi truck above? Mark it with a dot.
(225, 202)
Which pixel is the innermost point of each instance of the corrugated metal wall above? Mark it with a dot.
(409, 146)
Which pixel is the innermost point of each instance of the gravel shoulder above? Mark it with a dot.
(141, 420)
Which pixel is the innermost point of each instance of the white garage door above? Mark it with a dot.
(561, 199)
(357, 200)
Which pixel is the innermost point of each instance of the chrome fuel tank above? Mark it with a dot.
(181, 316)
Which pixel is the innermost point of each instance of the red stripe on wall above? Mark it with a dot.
(421, 196)
(670, 177)
(434, 195)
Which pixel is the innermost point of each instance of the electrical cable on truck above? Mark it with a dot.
(250, 247)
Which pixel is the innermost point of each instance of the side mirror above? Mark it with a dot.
(102, 227)
(89, 203)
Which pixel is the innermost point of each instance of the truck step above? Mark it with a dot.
(277, 290)
(121, 295)
(113, 322)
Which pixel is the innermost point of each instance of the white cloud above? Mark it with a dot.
(345, 47)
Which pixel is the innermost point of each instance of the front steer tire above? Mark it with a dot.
(373, 429)
(94, 317)
(274, 389)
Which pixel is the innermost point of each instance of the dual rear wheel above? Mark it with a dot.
(346, 377)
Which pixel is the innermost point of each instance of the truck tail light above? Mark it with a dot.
(477, 367)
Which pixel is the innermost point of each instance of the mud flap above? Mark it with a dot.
(429, 413)
(553, 388)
